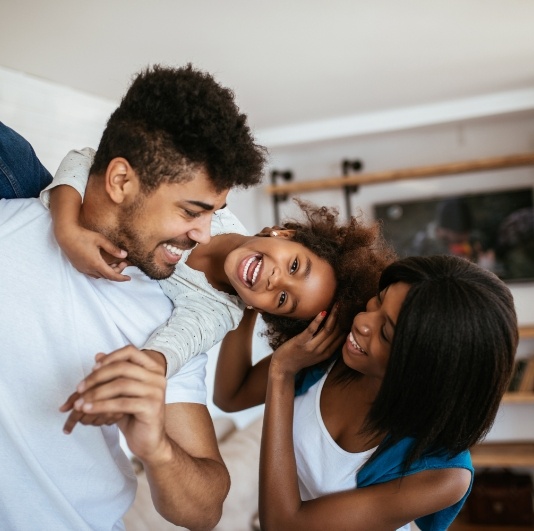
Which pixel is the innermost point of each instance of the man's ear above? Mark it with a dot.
(121, 180)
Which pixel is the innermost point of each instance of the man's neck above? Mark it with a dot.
(98, 212)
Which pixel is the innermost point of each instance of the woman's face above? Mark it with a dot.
(281, 277)
(368, 345)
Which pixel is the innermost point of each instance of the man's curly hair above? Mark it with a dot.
(173, 121)
(358, 254)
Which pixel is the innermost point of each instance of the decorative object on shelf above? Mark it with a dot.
(346, 167)
(501, 497)
(286, 175)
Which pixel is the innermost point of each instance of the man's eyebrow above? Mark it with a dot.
(201, 204)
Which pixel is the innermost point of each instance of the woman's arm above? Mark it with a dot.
(388, 506)
(239, 384)
(83, 247)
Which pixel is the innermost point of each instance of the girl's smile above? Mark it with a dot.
(281, 277)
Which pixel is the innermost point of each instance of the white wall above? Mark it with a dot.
(55, 119)
(52, 117)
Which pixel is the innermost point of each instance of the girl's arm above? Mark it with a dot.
(84, 248)
(388, 506)
(239, 384)
(200, 319)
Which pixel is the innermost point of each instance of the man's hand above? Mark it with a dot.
(127, 387)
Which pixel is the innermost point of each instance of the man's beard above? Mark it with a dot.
(128, 237)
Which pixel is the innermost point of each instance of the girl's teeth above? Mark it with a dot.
(172, 249)
(245, 270)
(256, 272)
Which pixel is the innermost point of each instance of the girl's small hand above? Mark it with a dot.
(310, 347)
(86, 250)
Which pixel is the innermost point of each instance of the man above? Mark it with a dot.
(166, 160)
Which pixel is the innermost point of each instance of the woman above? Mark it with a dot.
(378, 435)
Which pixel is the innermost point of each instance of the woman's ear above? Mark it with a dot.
(121, 180)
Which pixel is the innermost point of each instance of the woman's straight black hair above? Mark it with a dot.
(451, 356)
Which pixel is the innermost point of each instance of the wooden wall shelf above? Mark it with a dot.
(496, 454)
(421, 172)
(526, 331)
(518, 398)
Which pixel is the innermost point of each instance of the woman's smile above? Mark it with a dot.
(355, 343)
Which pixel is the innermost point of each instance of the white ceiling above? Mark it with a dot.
(289, 62)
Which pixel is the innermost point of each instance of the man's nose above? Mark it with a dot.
(201, 232)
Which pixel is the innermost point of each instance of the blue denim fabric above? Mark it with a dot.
(21, 172)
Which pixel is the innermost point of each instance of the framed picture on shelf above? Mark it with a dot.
(494, 229)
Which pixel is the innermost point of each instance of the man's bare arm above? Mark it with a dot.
(176, 443)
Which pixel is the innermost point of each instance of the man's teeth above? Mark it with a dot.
(173, 250)
(355, 344)
(256, 270)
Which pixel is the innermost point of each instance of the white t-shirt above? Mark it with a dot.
(202, 315)
(323, 467)
(54, 320)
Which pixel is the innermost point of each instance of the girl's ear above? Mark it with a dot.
(286, 234)
(277, 232)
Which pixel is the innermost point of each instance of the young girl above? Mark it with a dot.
(378, 435)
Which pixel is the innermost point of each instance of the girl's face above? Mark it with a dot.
(368, 345)
(281, 277)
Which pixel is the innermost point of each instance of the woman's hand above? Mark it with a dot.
(310, 347)
(86, 250)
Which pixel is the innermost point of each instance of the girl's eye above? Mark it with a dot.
(294, 266)
(283, 297)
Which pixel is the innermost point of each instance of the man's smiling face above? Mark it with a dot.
(156, 228)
